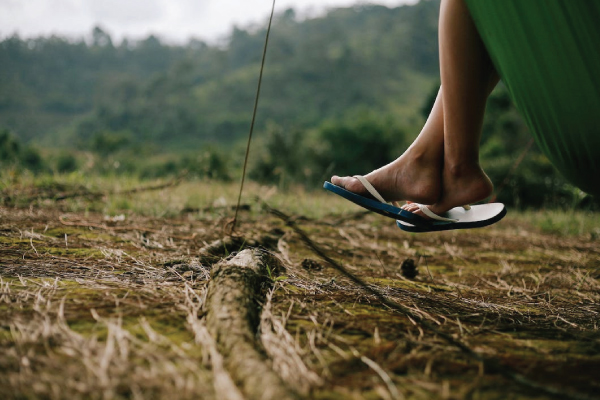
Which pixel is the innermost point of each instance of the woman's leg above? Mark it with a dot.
(417, 174)
(441, 160)
(468, 76)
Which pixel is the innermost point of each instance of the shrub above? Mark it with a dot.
(66, 162)
(32, 160)
(106, 143)
(9, 148)
(12, 154)
(360, 144)
(210, 163)
(281, 157)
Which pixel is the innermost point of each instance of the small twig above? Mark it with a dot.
(427, 267)
(173, 182)
(350, 217)
(243, 207)
(32, 246)
(85, 224)
(382, 374)
(385, 272)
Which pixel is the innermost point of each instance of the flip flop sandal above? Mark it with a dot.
(377, 203)
(476, 216)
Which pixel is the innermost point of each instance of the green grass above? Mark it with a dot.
(206, 197)
(560, 222)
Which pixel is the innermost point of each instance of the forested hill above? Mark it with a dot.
(362, 58)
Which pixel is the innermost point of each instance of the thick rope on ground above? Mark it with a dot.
(232, 310)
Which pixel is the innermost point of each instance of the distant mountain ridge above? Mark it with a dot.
(360, 58)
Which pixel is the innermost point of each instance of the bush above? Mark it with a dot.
(12, 154)
(353, 146)
(281, 157)
(10, 149)
(106, 143)
(210, 163)
(66, 162)
(360, 145)
(32, 160)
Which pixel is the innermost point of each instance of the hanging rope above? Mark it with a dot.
(262, 64)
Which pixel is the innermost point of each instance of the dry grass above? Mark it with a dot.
(111, 307)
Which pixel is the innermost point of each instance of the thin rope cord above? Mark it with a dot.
(262, 64)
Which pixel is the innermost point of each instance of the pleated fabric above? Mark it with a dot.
(547, 53)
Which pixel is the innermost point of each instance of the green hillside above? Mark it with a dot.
(361, 58)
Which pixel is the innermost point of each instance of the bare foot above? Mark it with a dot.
(407, 178)
(462, 185)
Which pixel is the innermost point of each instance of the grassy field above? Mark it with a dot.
(103, 285)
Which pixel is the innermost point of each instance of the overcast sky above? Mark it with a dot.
(174, 20)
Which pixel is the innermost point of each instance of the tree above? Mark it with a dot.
(100, 38)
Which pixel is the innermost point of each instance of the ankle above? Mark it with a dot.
(463, 169)
(421, 159)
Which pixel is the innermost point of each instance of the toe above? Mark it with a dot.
(347, 182)
(339, 180)
(411, 207)
(415, 209)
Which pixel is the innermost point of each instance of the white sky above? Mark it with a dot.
(174, 20)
